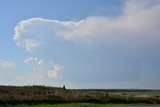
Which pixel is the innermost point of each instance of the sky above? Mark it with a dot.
(80, 43)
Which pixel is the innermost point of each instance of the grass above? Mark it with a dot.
(60, 105)
(76, 105)
(42, 96)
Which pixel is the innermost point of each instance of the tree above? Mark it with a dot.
(64, 87)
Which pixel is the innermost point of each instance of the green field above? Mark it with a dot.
(42, 96)
(60, 105)
(77, 105)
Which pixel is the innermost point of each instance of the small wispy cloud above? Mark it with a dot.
(42, 69)
(6, 64)
(32, 62)
(54, 71)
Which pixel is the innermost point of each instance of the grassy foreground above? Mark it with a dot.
(43, 96)
(77, 105)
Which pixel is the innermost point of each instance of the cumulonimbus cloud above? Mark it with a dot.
(132, 37)
(139, 21)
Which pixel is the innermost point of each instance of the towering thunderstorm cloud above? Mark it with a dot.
(130, 39)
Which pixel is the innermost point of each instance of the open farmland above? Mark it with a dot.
(58, 97)
(82, 105)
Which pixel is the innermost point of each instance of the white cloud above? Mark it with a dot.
(53, 72)
(31, 44)
(32, 62)
(42, 69)
(6, 64)
(133, 37)
(23, 38)
(139, 21)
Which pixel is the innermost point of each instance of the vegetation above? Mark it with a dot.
(45, 96)
(75, 105)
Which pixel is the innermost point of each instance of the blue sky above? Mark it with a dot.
(80, 43)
